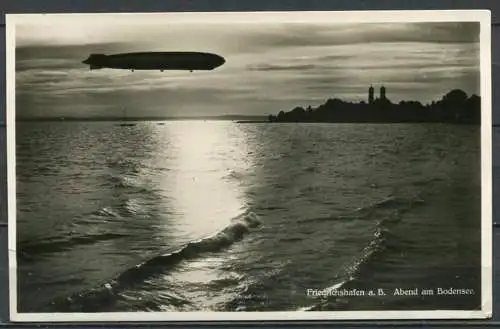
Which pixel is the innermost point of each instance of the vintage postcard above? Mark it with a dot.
(249, 166)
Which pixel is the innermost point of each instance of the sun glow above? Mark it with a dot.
(205, 198)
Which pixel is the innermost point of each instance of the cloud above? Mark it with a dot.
(273, 67)
(310, 35)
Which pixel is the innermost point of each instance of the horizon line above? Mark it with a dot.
(227, 116)
(152, 117)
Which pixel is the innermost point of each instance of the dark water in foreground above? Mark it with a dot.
(229, 217)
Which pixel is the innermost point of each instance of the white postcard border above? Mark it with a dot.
(481, 16)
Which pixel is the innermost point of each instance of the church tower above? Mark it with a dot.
(370, 95)
(382, 93)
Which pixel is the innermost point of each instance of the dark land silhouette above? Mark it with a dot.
(454, 107)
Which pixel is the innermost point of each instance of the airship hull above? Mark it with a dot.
(156, 61)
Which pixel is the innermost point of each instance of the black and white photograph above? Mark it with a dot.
(249, 166)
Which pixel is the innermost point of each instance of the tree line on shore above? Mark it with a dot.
(454, 107)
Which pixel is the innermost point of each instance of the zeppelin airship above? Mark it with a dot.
(192, 61)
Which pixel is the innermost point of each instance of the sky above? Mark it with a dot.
(270, 66)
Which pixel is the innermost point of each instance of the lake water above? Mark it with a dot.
(223, 216)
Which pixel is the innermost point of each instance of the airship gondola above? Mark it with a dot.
(191, 61)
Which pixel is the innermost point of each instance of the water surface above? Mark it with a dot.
(245, 217)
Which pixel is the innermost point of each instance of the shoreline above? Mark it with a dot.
(362, 122)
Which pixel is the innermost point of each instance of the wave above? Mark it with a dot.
(327, 303)
(122, 181)
(105, 212)
(234, 174)
(132, 207)
(129, 164)
(92, 299)
(129, 183)
(312, 169)
(378, 243)
(223, 239)
(58, 245)
(396, 207)
(331, 288)
(125, 208)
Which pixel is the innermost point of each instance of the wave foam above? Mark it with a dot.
(234, 232)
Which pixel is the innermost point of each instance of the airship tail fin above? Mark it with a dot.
(95, 61)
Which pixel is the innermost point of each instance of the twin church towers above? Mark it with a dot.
(371, 98)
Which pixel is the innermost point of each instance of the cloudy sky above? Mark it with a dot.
(269, 66)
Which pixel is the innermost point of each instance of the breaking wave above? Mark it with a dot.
(92, 299)
(223, 239)
(376, 245)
